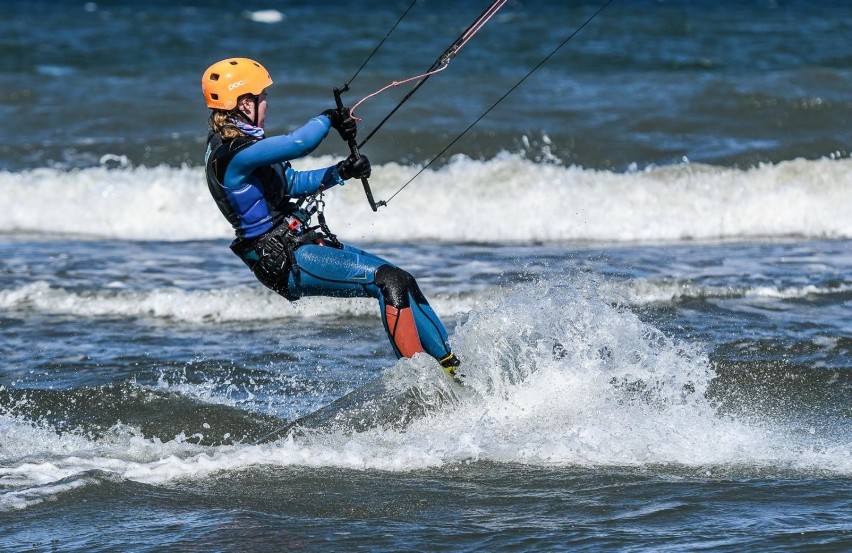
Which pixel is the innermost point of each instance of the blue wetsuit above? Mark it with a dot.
(256, 189)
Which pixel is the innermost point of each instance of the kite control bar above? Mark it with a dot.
(353, 148)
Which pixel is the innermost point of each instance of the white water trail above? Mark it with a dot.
(555, 376)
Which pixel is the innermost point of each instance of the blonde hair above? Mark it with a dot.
(222, 122)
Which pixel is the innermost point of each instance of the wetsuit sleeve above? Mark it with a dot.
(303, 183)
(279, 149)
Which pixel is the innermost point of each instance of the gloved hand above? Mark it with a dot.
(344, 123)
(350, 168)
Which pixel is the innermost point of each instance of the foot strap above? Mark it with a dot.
(451, 364)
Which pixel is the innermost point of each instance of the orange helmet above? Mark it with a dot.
(227, 80)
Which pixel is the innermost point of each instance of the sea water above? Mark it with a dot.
(642, 256)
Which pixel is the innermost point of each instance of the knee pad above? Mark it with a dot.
(397, 286)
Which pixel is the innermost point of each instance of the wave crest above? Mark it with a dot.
(504, 199)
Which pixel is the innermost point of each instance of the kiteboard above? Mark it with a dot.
(393, 400)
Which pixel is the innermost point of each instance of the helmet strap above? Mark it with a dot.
(245, 117)
(256, 110)
(245, 125)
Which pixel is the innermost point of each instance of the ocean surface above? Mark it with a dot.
(643, 255)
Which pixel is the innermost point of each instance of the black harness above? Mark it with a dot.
(272, 181)
(271, 256)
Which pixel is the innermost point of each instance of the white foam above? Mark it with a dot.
(555, 376)
(243, 303)
(141, 203)
(265, 16)
(507, 198)
(255, 303)
(640, 292)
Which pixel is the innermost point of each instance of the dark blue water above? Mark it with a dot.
(642, 255)
(648, 82)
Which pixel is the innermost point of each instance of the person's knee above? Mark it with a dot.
(397, 286)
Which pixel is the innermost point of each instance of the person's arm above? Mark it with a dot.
(276, 149)
(283, 148)
(305, 183)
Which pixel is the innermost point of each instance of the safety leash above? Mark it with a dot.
(379, 45)
(499, 100)
(439, 65)
(324, 225)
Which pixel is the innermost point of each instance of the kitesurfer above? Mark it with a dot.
(270, 204)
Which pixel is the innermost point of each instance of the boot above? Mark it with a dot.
(451, 366)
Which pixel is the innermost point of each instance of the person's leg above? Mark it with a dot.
(410, 322)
